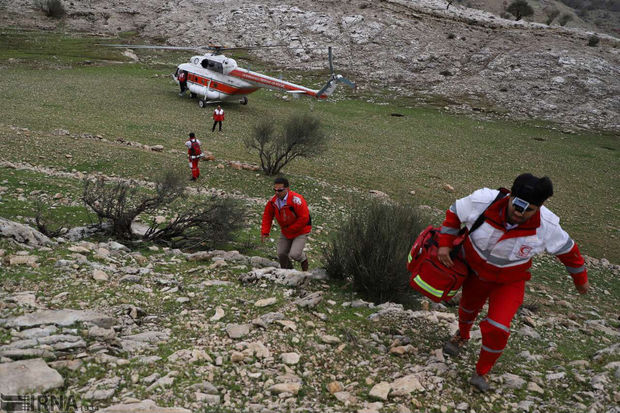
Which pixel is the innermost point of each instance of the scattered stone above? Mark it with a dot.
(311, 300)
(292, 388)
(335, 387)
(60, 318)
(533, 387)
(327, 339)
(512, 381)
(28, 376)
(99, 275)
(219, 314)
(145, 406)
(406, 385)
(290, 358)
(448, 188)
(22, 234)
(380, 391)
(238, 330)
(209, 399)
(265, 302)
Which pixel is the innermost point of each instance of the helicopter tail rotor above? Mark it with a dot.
(334, 79)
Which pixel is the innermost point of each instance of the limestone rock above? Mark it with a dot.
(22, 234)
(61, 318)
(311, 300)
(512, 381)
(219, 314)
(265, 302)
(292, 388)
(144, 406)
(380, 391)
(237, 330)
(290, 358)
(405, 385)
(28, 376)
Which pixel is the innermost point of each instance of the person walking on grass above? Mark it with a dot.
(218, 117)
(194, 153)
(499, 253)
(291, 212)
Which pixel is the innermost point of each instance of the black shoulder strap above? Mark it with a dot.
(502, 193)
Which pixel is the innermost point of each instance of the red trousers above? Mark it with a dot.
(193, 163)
(504, 301)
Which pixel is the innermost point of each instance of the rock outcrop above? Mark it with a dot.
(470, 59)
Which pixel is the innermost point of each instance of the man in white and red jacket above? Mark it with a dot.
(291, 212)
(499, 253)
(218, 117)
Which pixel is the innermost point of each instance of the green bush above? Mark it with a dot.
(593, 40)
(520, 9)
(51, 8)
(371, 248)
(565, 18)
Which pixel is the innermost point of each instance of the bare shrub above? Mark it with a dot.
(51, 8)
(301, 137)
(204, 224)
(121, 202)
(46, 223)
(371, 248)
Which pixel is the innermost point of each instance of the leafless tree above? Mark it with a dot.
(202, 224)
(121, 202)
(301, 137)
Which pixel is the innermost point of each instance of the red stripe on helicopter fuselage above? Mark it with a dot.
(254, 77)
(219, 86)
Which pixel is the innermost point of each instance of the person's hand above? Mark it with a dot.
(262, 238)
(443, 255)
(583, 288)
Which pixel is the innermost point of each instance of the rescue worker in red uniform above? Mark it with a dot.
(194, 153)
(499, 253)
(182, 82)
(218, 117)
(291, 212)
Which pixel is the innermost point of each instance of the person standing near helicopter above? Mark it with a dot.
(182, 77)
(218, 117)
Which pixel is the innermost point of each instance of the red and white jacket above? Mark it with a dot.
(218, 115)
(293, 217)
(500, 255)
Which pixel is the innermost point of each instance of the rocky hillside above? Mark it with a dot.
(140, 328)
(462, 58)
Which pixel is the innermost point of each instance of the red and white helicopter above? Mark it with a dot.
(213, 77)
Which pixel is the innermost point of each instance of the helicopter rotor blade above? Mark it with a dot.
(144, 46)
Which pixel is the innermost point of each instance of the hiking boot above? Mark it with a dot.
(304, 265)
(454, 345)
(480, 383)
(286, 263)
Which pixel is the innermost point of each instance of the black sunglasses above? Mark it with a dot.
(279, 189)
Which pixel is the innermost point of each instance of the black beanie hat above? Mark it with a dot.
(191, 135)
(532, 189)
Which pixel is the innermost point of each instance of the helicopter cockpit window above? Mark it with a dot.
(212, 65)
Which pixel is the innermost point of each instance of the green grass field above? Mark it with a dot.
(60, 81)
